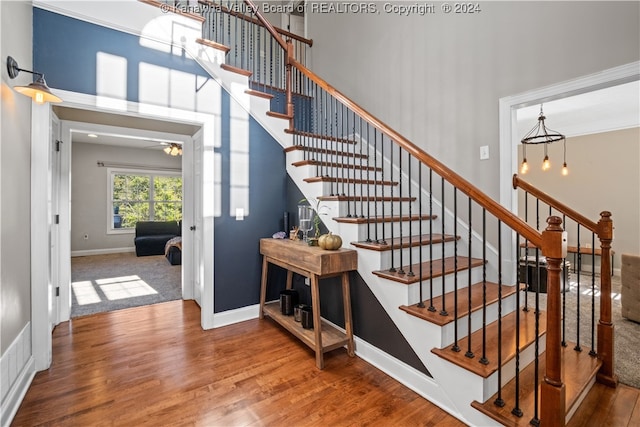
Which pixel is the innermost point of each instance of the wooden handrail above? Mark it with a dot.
(555, 204)
(506, 216)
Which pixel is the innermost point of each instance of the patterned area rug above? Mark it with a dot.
(112, 282)
(627, 332)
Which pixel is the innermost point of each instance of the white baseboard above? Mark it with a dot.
(17, 369)
(238, 315)
(89, 252)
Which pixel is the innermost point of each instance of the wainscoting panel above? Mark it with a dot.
(17, 369)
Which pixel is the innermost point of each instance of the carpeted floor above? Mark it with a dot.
(112, 282)
(627, 333)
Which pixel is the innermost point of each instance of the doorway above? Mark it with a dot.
(41, 279)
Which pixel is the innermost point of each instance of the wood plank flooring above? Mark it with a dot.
(154, 365)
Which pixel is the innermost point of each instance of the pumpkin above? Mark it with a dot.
(330, 242)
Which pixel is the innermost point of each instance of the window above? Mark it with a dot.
(143, 196)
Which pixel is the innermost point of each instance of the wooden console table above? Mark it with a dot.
(315, 263)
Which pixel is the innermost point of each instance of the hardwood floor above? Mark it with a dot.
(155, 366)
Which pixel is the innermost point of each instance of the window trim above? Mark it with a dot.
(111, 171)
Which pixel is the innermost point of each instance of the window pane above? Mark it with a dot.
(133, 212)
(168, 211)
(167, 188)
(131, 187)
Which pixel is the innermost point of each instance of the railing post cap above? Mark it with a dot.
(555, 223)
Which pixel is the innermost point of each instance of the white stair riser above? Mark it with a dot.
(334, 156)
(527, 356)
(404, 228)
(311, 171)
(449, 284)
(408, 256)
(448, 330)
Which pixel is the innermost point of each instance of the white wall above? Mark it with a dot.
(89, 187)
(15, 174)
(437, 78)
(604, 174)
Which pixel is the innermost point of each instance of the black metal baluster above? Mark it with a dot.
(391, 224)
(564, 290)
(368, 190)
(362, 163)
(516, 408)
(526, 255)
(401, 270)
(455, 347)
(443, 311)
(484, 359)
(410, 246)
(499, 401)
(431, 307)
(578, 269)
(421, 302)
(592, 352)
(469, 353)
(536, 393)
(375, 185)
(382, 240)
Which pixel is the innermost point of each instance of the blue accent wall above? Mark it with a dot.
(66, 48)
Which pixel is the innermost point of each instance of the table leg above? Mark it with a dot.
(317, 321)
(289, 282)
(348, 326)
(263, 285)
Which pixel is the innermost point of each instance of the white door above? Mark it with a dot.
(53, 187)
(192, 262)
(293, 23)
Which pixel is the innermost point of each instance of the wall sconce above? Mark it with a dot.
(38, 90)
(540, 134)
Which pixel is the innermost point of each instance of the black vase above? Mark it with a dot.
(306, 317)
(288, 299)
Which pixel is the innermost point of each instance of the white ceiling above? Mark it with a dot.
(121, 140)
(604, 110)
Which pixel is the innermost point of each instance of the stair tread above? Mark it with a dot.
(365, 199)
(323, 151)
(449, 267)
(279, 115)
(259, 94)
(463, 303)
(405, 242)
(349, 180)
(236, 70)
(214, 45)
(313, 162)
(578, 369)
(527, 337)
(381, 219)
(319, 136)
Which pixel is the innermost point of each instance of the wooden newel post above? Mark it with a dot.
(606, 374)
(552, 389)
(290, 56)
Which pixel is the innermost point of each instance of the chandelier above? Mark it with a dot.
(173, 149)
(540, 134)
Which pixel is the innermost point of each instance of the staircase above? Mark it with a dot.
(431, 246)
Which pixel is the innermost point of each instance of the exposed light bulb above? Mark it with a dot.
(546, 164)
(565, 169)
(524, 168)
(39, 98)
(167, 150)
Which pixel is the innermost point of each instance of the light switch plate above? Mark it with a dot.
(484, 152)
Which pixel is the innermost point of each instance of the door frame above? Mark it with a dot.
(510, 140)
(40, 211)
